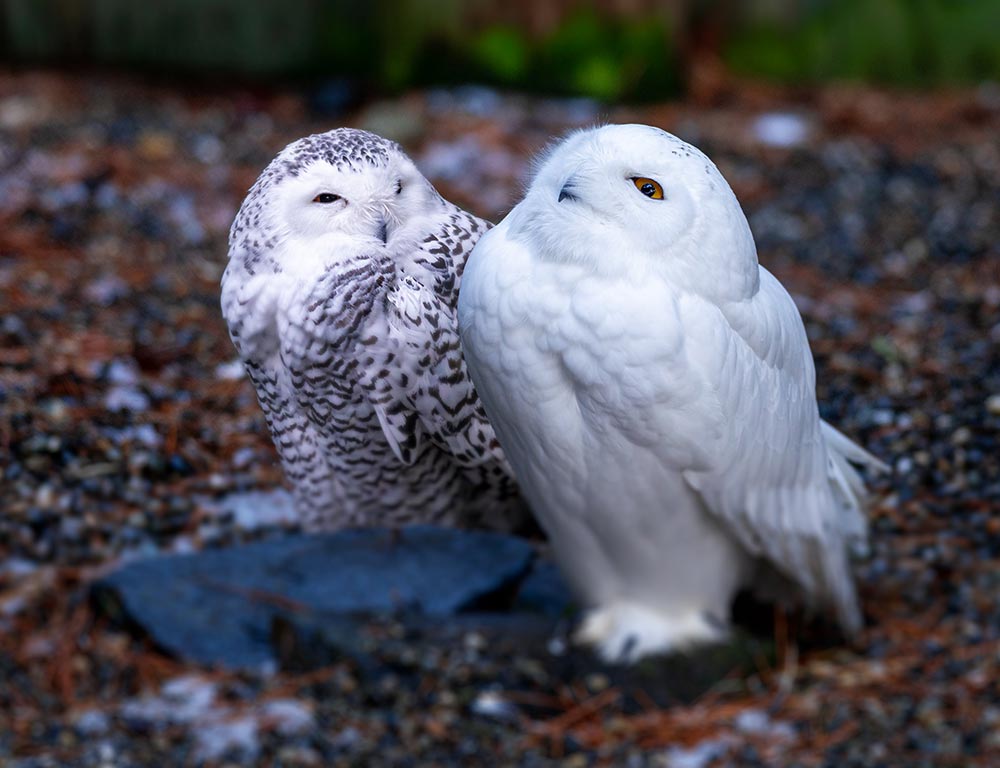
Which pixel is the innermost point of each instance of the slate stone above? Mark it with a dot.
(217, 607)
(544, 591)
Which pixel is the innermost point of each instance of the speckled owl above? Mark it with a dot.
(340, 296)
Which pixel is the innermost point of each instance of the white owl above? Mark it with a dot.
(340, 296)
(654, 391)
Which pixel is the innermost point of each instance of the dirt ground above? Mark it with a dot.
(123, 416)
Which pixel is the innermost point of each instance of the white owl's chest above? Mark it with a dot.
(601, 336)
(577, 366)
(580, 362)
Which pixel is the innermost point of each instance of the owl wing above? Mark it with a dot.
(444, 251)
(428, 395)
(250, 306)
(778, 477)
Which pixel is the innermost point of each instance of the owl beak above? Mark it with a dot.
(382, 231)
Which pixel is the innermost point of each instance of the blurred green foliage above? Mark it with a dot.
(608, 58)
(588, 54)
(904, 42)
(602, 49)
(503, 51)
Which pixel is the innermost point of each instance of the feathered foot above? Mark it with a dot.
(622, 633)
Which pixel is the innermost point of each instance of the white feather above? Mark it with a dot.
(653, 388)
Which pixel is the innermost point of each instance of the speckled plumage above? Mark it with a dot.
(340, 296)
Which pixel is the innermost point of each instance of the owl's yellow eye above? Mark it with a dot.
(648, 187)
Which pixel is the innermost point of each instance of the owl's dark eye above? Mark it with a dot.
(326, 197)
(399, 187)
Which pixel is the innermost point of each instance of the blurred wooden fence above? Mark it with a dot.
(261, 36)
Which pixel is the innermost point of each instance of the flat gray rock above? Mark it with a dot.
(217, 607)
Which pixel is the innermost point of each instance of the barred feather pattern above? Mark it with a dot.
(357, 361)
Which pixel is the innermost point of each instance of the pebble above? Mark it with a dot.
(219, 738)
(993, 405)
(346, 739)
(230, 371)
(597, 682)
(126, 398)
(698, 756)
(493, 704)
(781, 129)
(254, 509)
(91, 722)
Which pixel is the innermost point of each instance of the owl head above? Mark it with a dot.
(634, 199)
(323, 188)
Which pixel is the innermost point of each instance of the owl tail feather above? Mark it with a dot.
(844, 456)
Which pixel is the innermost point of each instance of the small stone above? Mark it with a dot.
(256, 509)
(494, 705)
(882, 417)
(781, 129)
(557, 646)
(155, 145)
(243, 458)
(961, 436)
(597, 682)
(121, 398)
(698, 756)
(20, 112)
(474, 641)
(299, 756)
(208, 149)
(106, 290)
(287, 716)
(218, 737)
(346, 739)
(123, 372)
(394, 120)
(91, 722)
(231, 371)
(753, 721)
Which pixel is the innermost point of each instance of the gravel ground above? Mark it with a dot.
(124, 419)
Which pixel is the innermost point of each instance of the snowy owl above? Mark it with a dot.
(653, 388)
(340, 296)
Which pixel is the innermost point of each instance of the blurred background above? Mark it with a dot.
(611, 49)
(862, 138)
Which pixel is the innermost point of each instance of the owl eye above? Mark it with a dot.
(648, 187)
(326, 197)
(399, 187)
